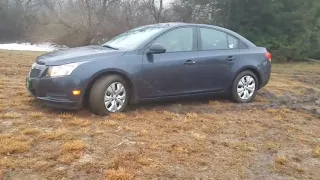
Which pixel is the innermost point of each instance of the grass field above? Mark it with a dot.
(275, 137)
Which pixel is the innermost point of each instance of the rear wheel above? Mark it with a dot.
(244, 87)
(109, 94)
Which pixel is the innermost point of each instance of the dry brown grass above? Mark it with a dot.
(66, 116)
(71, 151)
(144, 160)
(8, 162)
(80, 122)
(120, 174)
(13, 144)
(118, 116)
(42, 165)
(109, 123)
(198, 136)
(36, 115)
(243, 146)
(1, 174)
(68, 158)
(281, 159)
(31, 131)
(295, 68)
(276, 136)
(317, 152)
(272, 146)
(130, 161)
(192, 115)
(76, 145)
(53, 135)
(10, 115)
(179, 149)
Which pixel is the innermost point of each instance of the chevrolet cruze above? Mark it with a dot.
(152, 62)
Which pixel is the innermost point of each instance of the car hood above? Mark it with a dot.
(71, 55)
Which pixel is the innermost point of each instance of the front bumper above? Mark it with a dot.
(56, 92)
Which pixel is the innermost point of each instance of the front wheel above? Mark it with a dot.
(244, 87)
(109, 94)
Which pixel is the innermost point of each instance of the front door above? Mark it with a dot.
(173, 72)
(218, 52)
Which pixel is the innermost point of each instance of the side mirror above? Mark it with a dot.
(156, 49)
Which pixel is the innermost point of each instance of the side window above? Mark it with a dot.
(233, 42)
(242, 45)
(212, 39)
(177, 40)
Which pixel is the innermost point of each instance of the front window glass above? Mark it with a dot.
(177, 40)
(132, 39)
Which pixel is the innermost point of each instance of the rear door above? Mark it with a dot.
(173, 72)
(218, 52)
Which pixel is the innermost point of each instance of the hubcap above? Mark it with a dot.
(115, 97)
(246, 87)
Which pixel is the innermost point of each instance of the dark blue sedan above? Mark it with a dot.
(151, 62)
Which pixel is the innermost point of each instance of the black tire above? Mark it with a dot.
(234, 94)
(97, 93)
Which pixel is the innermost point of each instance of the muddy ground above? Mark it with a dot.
(275, 137)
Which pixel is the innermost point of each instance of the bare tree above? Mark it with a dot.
(155, 8)
(78, 22)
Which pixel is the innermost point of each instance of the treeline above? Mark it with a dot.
(290, 29)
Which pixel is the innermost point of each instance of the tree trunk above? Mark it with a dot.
(90, 30)
(89, 11)
(160, 11)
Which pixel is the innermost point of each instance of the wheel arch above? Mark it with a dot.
(253, 70)
(106, 72)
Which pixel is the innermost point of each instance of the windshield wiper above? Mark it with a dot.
(107, 46)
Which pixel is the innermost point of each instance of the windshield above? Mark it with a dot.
(132, 39)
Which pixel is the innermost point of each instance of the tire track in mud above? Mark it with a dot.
(309, 101)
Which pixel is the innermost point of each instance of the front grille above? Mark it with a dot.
(34, 73)
(37, 70)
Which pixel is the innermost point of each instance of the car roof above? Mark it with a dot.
(170, 25)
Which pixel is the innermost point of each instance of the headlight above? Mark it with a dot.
(63, 70)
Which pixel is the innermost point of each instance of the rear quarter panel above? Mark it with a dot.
(254, 59)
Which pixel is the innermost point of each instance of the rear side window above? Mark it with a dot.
(212, 39)
(242, 45)
(232, 42)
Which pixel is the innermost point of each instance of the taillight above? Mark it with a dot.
(269, 56)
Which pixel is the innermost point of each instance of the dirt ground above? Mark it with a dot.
(275, 137)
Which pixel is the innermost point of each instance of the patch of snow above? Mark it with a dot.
(29, 47)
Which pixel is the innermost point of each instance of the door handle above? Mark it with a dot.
(230, 58)
(189, 62)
